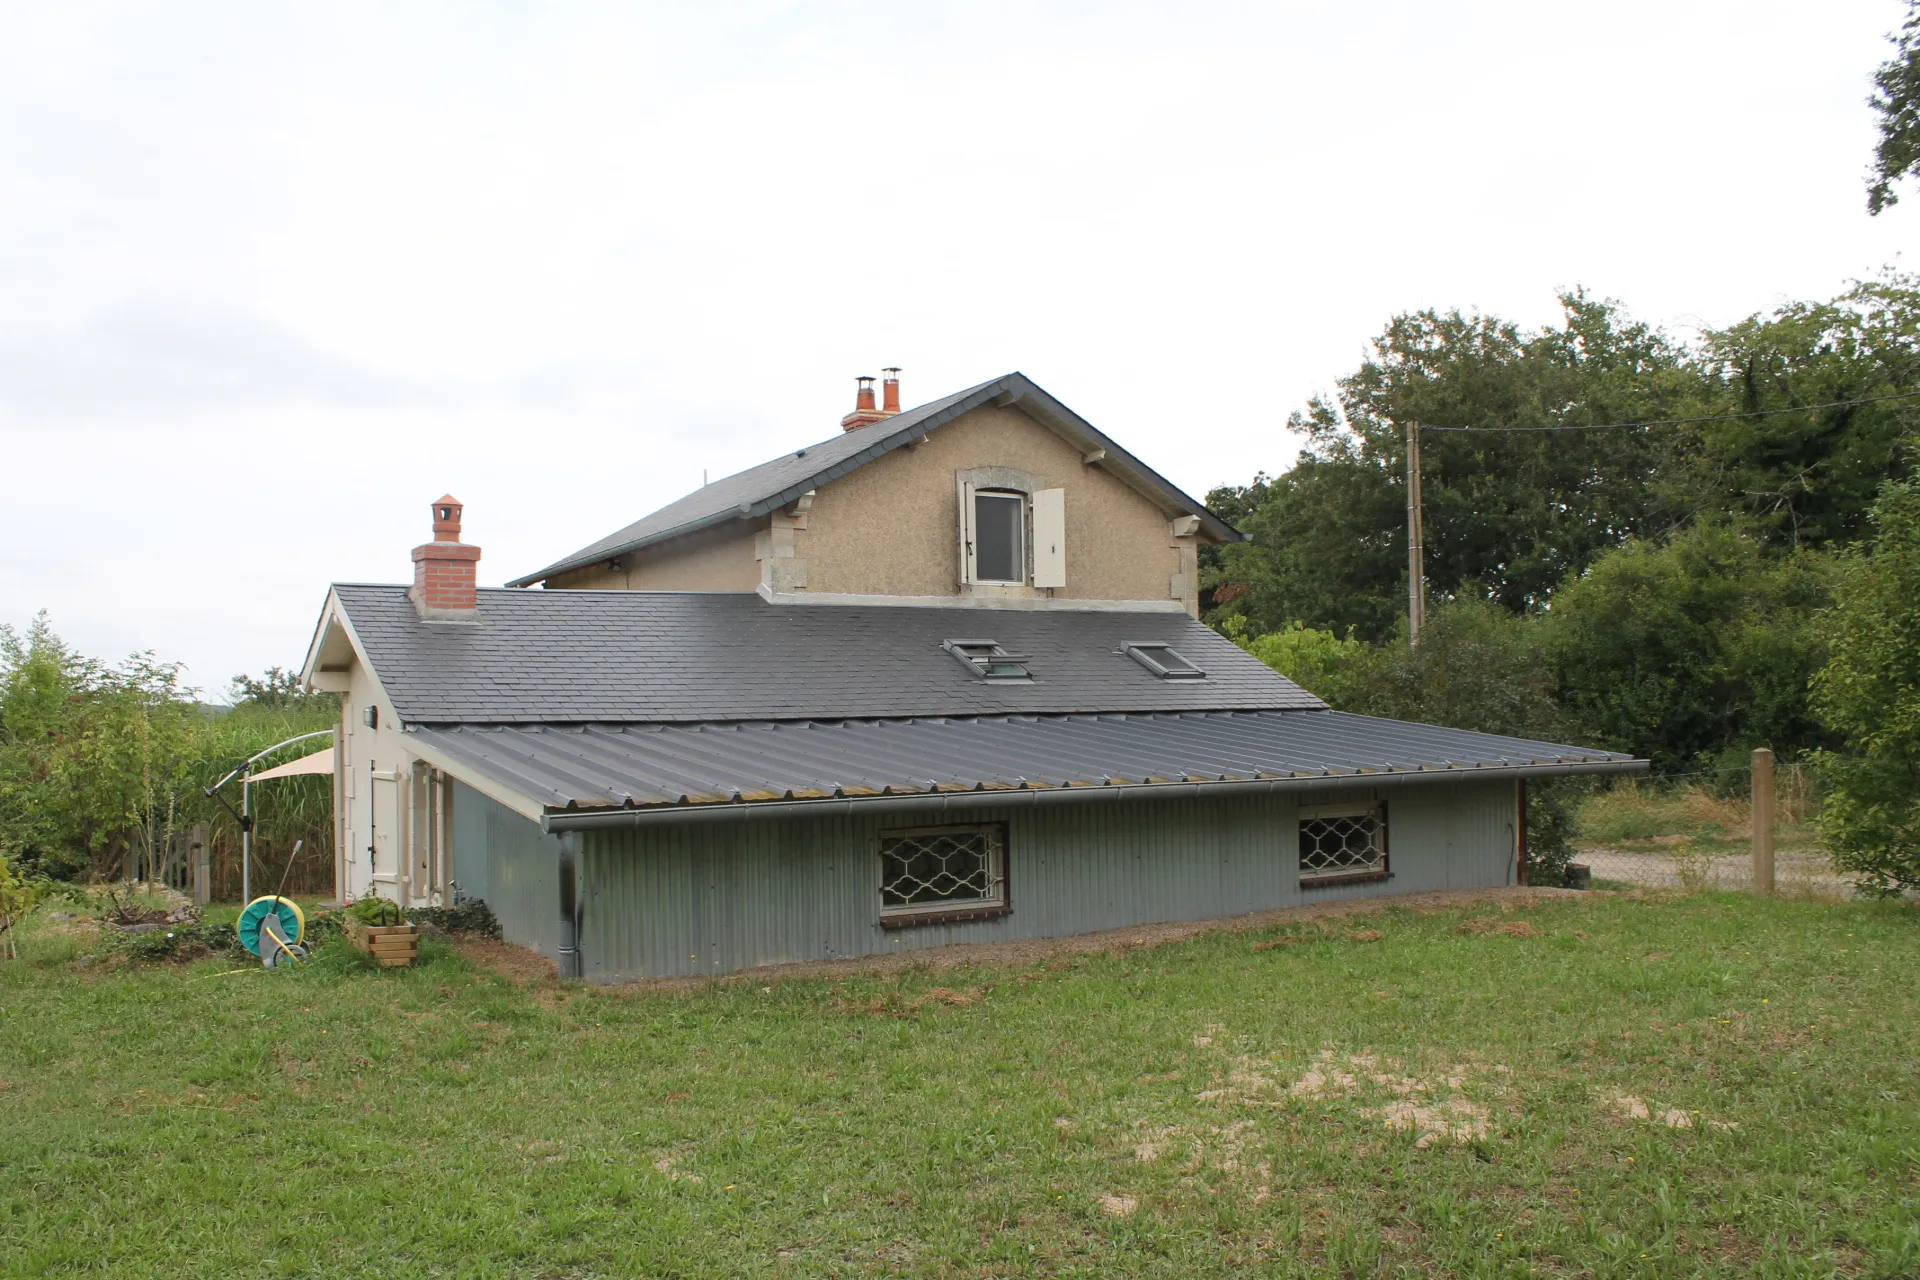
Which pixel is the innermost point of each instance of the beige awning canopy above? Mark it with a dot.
(320, 761)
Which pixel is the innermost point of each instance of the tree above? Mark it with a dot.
(1897, 101)
(1326, 546)
(275, 688)
(1692, 649)
(1509, 515)
(1806, 479)
(1869, 693)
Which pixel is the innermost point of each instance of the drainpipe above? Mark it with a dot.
(570, 966)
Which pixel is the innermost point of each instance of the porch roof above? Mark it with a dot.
(665, 766)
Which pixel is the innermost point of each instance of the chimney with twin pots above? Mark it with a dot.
(445, 570)
(864, 413)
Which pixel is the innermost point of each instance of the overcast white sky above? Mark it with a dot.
(272, 277)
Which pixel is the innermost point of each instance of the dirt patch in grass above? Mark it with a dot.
(523, 966)
(1035, 951)
(1626, 1106)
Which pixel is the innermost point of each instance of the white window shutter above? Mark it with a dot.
(1050, 538)
(964, 496)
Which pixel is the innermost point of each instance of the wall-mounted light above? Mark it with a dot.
(372, 717)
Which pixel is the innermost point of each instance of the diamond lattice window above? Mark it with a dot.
(938, 870)
(1342, 842)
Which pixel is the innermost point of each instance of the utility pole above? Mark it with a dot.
(1416, 541)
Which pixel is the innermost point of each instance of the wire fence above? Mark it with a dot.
(1694, 830)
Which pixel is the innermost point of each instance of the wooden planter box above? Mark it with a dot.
(393, 945)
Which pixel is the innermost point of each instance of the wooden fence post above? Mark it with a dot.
(1763, 820)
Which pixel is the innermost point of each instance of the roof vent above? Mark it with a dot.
(1162, 659)
(986, 659)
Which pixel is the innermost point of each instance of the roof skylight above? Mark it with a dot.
(988, 660)
(1162, 659)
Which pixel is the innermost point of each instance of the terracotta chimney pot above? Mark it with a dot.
(446, 570)
(864, 413)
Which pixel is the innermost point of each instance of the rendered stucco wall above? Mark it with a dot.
(719, 559)
(891, 527)
(716, 897)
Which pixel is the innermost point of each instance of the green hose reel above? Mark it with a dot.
(273, 928)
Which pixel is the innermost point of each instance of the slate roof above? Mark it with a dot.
(756, 491)
(644, 656)
(605, 766)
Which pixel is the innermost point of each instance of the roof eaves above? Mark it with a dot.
(1213, 524)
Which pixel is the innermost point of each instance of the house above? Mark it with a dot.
(936, 679)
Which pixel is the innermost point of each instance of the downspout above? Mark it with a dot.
(569, 957)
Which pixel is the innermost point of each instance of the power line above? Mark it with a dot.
(1681, 422)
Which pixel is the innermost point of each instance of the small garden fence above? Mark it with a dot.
(1696, 831)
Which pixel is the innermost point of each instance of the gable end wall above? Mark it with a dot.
(891, 528)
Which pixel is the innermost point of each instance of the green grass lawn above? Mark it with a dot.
(1714, 1085)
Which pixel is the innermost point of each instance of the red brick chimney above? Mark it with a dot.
(444, 569)
(890, 385)
(863, 411)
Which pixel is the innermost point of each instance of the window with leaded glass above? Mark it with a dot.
(942, 873)
(1342, 843)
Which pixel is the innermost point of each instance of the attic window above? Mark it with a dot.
(1163, 660)
(988, 660)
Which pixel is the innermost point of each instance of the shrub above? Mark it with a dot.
(1550, 821)
(1869, 692)
(1693, 649)
(1318, 661)
(17, 897)
(473, 916)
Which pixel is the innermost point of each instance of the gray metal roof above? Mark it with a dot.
(756, 491)
(606, 766)
(645, 656)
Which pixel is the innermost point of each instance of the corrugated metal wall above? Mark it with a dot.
(715, 897)
(500, 856)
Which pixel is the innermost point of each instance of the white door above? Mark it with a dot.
(384, 822)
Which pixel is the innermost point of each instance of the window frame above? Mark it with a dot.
(950, 910)
(1374, 809)
(1023, 538)
(978, 665)
(1142, 652)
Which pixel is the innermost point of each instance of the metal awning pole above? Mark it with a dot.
(246, 832)
(245, 774)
